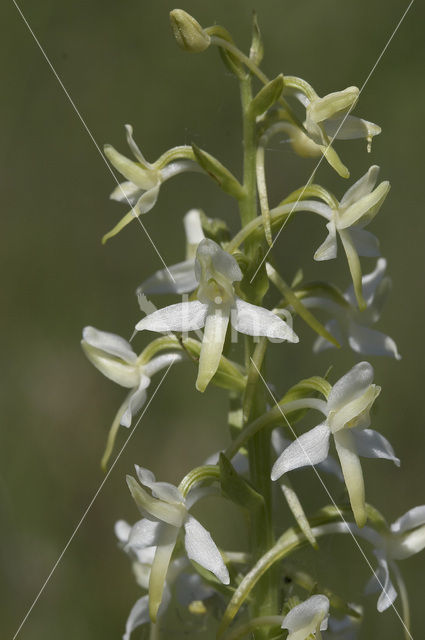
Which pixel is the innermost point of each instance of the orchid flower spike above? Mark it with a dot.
(358, 207)
(351, 326)
(166, 506)
(307, 619)
(216, 271)
(347, 419)
(115, 358)
(143, 179)
(178, 278)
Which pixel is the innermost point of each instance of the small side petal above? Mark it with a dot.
(309, 449)
(328, 249)
(179, 278)
(201, 548)
(135, 402)
(351, 385)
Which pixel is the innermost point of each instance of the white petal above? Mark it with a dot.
(365, 243)
(352, 128)
(371, 444)
(139, 615)
(361, 188)
(308, 449)
(155, 509)
(353, 475)
(305, 618)
(411, 519)
(370, 282)
(407, 544)
(321, 109)
(334, 328)
(201, 548)
(162, 490)
(110, 343)
(371, 342)
(162, 362)
(381, 581)
(145, 476)
(135, 402)
(122, 530)
(364, 210)
(181, 280)
(147, 201)
(193, 227)
(356, 412)
(328, 249)
(184, 316)
(127, 192)
(257, 321)
(212, 345)
(143, 534)
(351, 385)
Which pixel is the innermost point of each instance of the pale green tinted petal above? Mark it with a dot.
(166, 542)
(365, 243)
(334, 160)
(354, 413)
(110, 343)
(353, 475)
(297, 509)
(116, 370)
(257, 321)
(371, 342)
(193, 230)
(354, 266)
(147, 200)
(210, 259)
(381, 581)
(184, 316)
(143, 178)
(371, 444)
(350, 127)
(139, 615)
(212, 345)
(122, 530)
(351, 385)
(361, 188)
(135, 402)
(181, 280)
(306, 617)
(172, 514)
(201, 548)
(126, 192)
(133, 146)
(364, 210)
(407, 544)
(328, 249)
(323, 108)
(409, 520)
(308, 449)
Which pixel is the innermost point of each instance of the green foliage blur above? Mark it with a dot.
(120, 64)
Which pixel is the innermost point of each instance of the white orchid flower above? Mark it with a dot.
(115, 358)
(178, 278)
(143, 179)
(347, 420)
(351, 326)
(167, 506)
(326, 119)
(307, 619)
(358, 207)
(216, 305)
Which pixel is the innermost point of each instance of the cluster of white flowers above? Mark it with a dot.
(224, 287)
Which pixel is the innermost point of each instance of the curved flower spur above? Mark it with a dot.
(217, 304)
(115, 358)
(347, 419)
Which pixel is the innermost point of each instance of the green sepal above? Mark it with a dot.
(256, 290)
(236, 488)
(218, 171)
(267, 96)
(229, 59)
(215, 229)
(256, 51)
(307, 388)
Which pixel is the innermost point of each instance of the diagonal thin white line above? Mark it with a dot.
(90, 135)
(334, 136)
(332, 500)
(45, 583)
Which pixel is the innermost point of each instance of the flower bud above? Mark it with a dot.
(188, 33)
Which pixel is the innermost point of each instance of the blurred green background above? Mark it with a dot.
(120, 64)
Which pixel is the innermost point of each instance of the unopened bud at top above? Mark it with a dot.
(188, 33)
